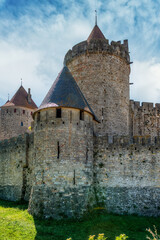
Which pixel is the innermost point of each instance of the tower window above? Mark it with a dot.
(81, 116)
(102, 114)
(58, 113)
(58, 150)
(38, 117)
(15, 110)
(86, 154)
(22, 124)
(74, 177)
(31, 113)
(70, 116)
(23, 111)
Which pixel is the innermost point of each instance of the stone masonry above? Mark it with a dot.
(85, 151)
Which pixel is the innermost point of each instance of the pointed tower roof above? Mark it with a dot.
(20, 99)
(96, 34)
(66, 93)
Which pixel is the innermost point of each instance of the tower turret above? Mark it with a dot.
(102, 70)
(63, 137)
(16, 115)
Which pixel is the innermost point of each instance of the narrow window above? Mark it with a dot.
(31, 113)
(58, 150)
(70, 116)
(23, 111)
(58, 113)
(15, 110)
(81, 117)
(86, 154)
(7, 110)
(102, 114)
(38, 117)
(74, 177)
(22, 124)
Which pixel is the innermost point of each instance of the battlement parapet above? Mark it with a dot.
(14, 142)
(97, 45)
(144, 106)
(122, 141)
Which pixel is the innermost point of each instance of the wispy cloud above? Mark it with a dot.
(35, 35)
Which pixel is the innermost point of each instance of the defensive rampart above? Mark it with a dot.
(127, 175)
(144, 119)
(16, 167)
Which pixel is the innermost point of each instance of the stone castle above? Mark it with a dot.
(89, 144)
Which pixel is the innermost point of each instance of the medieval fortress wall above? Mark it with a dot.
(71, 163)
(128, 175)
(16, 157)
(145, 119)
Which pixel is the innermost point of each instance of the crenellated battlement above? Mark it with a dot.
(115, 141)
(96, 46)
(144, 106)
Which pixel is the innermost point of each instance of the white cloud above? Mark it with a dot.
(33, 46)
(146, 79)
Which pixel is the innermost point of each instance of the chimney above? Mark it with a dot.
(29, 96)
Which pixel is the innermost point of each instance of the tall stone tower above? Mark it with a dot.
(63, 138)
(16, 114)
(102, 70)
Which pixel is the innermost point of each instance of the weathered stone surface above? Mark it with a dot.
(63, 167)
(15, 158)
(14, 121)
(102, 73)
(127, 177)
(144, 119)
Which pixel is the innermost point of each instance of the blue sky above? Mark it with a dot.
(36, 34)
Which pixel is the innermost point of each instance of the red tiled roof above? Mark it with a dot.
(20, 100)
(96, 34)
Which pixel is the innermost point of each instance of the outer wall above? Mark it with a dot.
(104, 81)
(127, 177)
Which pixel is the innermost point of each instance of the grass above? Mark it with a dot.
(17, 224)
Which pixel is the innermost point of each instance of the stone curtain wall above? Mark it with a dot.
(63, 164)
(144, 119)
(14, 121)
(102, 70)
(127, 176)
(14, 163)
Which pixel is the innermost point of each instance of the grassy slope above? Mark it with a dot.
(17, 224)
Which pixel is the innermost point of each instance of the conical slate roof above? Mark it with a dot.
(20, 100)
(66, 93)
(96, 34)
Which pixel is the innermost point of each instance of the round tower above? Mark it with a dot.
(16, 114)
(63, 138)
(102, 70)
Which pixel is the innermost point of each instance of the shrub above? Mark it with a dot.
(154, 234)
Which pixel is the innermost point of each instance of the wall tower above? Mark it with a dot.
(102, 70)
(63, 138)
(16, 114)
